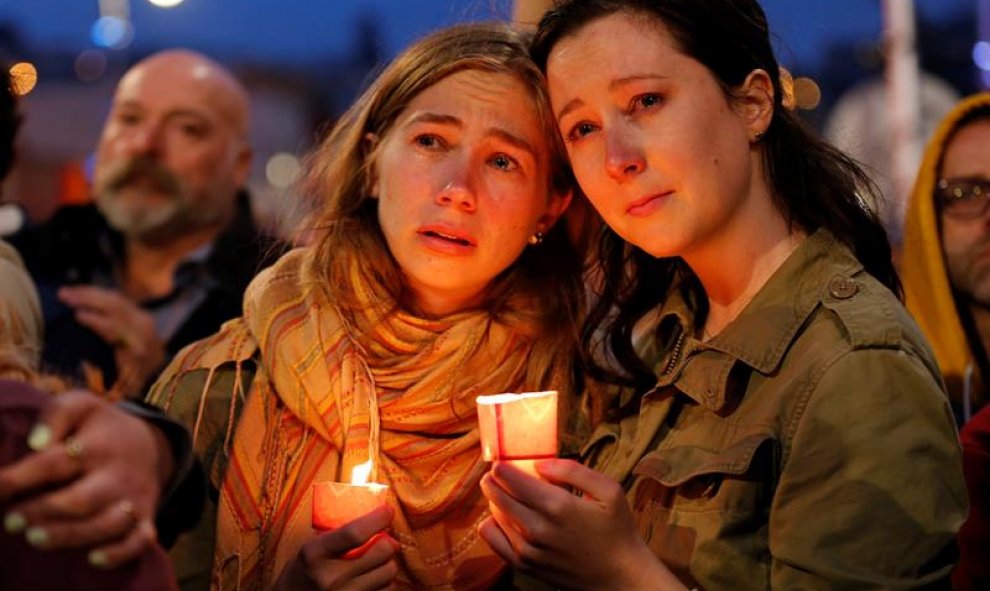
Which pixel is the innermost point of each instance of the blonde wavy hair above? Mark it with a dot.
(340, 176)
(20, 325)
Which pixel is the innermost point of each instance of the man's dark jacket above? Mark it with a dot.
(77, 245)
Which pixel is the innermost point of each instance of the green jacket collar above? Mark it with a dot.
(820, 267)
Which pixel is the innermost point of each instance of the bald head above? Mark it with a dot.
(174, 149)
(201, 76)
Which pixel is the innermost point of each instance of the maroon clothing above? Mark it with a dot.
(973, 570)
(25, 567)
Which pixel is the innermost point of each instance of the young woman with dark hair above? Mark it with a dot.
(783, 424)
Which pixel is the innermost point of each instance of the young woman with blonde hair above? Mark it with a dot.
(437, 273)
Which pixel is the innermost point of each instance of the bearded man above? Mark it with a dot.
(164, 255)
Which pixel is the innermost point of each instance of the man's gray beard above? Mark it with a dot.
(153, 223)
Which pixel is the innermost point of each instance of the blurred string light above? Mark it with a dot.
(113, 29)
(282, 170)
(166, 3)
(23, 78)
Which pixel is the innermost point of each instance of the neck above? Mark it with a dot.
(734, 265)
(436, 303)
(148, 269)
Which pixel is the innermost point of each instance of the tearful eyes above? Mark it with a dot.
(427, 141)
(580, 130)
(641, 104)
(646, 101)
(503, 162)
(500, 160)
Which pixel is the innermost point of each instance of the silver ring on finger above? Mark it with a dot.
(74, 448)
(127, 508)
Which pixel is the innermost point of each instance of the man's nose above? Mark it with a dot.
(146, 140)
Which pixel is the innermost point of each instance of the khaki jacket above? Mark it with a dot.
(810, 445)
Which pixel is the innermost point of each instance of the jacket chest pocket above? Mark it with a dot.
(738, 477)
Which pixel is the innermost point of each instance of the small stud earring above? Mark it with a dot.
(536, 239)
(758, 136)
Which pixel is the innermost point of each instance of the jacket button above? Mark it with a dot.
(843, 288)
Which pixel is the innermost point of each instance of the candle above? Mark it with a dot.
(519, 428)
(338, 503)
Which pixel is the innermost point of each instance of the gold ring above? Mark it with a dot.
(127, 508)
(74, 448)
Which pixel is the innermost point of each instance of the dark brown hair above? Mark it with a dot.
(813, 184)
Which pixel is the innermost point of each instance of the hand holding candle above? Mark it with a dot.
(519, 428)
(353, 556)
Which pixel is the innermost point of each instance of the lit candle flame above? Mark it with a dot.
(361, 473)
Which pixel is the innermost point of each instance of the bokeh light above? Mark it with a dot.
(166, 3)
(90, 65)
(981, 55)
(787, 85)
(282, 170)
(807, 94)
(23, 78)
(111, 32)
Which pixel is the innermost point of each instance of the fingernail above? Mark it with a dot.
(39, 438)
(14, 522)
(36, 536)
(98, 558)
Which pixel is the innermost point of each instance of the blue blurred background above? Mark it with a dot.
(305, 60)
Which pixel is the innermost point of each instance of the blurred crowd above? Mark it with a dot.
(754, 396)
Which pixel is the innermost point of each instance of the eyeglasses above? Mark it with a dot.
(963, 199)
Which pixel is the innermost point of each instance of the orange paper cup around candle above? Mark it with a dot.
(519, 428)
(338, 503)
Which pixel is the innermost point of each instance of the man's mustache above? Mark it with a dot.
(144, 170)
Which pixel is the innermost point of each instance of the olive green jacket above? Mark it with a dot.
(809, 445)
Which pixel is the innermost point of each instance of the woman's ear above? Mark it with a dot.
(555, 208)
(369, 143)
(754, 100)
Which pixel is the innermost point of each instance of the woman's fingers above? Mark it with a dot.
(113, 522)
(136, 542)
(580, 478)
(61, 416)
(495, 537)
(510, 512)
(375, 569)
(335, 543)
(37, 471)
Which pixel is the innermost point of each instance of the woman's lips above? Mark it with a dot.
(447, 240)
(647, 205)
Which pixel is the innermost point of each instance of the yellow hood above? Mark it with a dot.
(926, 283)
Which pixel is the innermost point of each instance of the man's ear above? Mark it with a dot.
(754, 101)
(242, 164)
(369, 144)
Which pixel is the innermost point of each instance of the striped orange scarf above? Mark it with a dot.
(331, 391)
